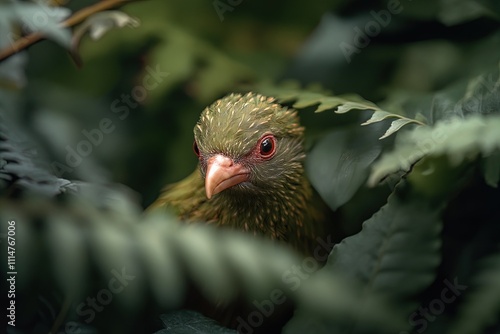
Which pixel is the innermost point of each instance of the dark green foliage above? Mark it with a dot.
(343, 158)
(20, 167)
(179, 322)
(404, 145)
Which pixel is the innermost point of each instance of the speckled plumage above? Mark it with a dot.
(277, 201)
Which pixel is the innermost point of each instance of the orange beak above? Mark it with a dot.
(223, 173)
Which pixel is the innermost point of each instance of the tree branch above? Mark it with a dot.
(76, 18)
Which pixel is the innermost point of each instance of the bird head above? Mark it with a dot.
(249, 145)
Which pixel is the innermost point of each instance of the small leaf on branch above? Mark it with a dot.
(97, 26)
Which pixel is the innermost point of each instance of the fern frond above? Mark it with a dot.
(458, 139)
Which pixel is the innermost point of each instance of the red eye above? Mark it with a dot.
(196, 149)
(267, 146)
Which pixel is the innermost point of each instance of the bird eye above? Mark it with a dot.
(196, 149)
(267, 146)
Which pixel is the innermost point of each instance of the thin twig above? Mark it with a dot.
(76, 18)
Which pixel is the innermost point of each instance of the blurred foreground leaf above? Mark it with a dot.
(458, 139)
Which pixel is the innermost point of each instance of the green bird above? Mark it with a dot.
(251, 174)
(250, 177)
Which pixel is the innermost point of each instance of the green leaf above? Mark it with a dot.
(219, 285)
(400, 243)
(112, 253)
(396, 125)
(377, 116)
(381, 115)
(339, 164)
(330, 104)
(482, 305)
(457, 138)
(346, 106)
(167, 281)
(67, 247)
